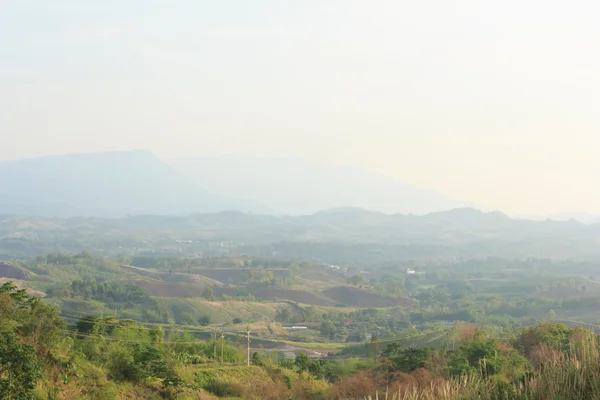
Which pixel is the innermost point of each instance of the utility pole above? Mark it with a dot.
(222, 344)
(214, 335)
(375, 346)
(248, 332)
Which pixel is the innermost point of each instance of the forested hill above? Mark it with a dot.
(460, 232)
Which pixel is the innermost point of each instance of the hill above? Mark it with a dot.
(294, 186)
(111, 184)
(13, 271)
(346, 235)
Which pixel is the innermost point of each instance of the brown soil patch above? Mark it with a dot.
(12, 271)
(299, 296)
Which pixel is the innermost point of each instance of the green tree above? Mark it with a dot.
(327, 329)
(480, 354)
(42, 325)
(19, 368)
(256, 360)
(157, 334)
(283, 315)
(302, 362)
(407, 360)
(341, 334)
(356, 280)
(208, 293)
(321, 369)
(204, 320)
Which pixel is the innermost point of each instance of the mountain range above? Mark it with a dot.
(295, 187)
(115, 184)
(348, 234)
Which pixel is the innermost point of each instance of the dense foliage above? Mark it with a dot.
(41, 357)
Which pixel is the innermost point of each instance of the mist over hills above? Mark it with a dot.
(346, 234)
(115, 184)
(74, 195)
(296, 187)
(111, 184)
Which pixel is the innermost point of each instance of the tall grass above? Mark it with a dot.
(570, 374)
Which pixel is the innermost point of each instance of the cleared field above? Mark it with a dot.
(299, 296)
(12, 271)
(235, 275)
(320, 279)
(356, 297)
(226, 311)
(169, 289)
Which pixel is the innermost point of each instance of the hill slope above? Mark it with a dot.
(103, 184)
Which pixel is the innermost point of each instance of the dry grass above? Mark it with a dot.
(572, 374)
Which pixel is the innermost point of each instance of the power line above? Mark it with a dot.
(108, 337)
(170, 327)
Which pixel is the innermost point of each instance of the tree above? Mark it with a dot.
(321, 369)
(157, 334)
(256, 360)
(327, 329)
(302, 362)
(375, 347)
(551, 334)
(42, 325)
(356, 280)
(19, 368)
(479, 355)
(407, 360)
(204, 320)
(341, 335)
(86, 324)
(208, 293)
(283, 315)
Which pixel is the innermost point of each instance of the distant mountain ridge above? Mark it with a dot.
(111, 184)
(115, 184)
(459, 232)
(300, 187)
(586, 218)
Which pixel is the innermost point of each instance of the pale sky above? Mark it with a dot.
(495, 102)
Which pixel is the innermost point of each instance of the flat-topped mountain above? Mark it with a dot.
(108, 184)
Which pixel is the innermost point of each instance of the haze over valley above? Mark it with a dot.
(299, 200)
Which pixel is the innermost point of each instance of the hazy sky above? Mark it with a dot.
(496, 102)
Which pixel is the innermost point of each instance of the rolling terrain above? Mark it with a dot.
(332, 236)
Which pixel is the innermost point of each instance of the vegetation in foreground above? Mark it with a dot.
(41, 357)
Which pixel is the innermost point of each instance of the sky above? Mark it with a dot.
(491, 102)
